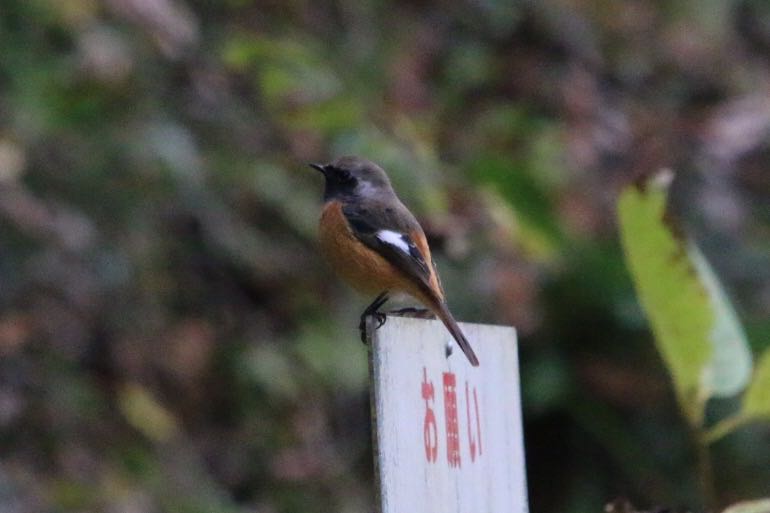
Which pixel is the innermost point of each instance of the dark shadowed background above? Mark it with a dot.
(171, 341)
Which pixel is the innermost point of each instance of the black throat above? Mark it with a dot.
(343, 190)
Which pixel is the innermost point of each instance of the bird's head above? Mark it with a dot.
(353, 176)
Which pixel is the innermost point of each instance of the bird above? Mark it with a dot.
(375, 244)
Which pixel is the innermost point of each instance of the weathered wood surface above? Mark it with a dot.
(448, 436)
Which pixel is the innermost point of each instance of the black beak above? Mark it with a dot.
(319, 167)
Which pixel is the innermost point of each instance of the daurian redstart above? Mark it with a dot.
(373, 242)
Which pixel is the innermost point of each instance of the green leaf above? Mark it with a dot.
(673, 298)
(755, 506)
(730, 368)
(756, 401)
(696, 328)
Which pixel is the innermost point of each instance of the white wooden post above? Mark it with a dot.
(447, 436)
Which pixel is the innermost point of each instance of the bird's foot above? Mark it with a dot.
(378, 316)
(372, 310)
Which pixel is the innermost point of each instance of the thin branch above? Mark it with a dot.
(724, 427)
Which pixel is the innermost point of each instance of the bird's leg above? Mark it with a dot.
(372, 310)
(418, 313)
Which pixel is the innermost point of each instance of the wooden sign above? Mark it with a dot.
(448, 436)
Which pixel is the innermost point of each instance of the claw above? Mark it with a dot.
(372, 310)
(380, 317)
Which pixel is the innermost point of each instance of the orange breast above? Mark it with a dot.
(356, 263)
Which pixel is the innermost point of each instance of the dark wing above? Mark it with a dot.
(387, 229)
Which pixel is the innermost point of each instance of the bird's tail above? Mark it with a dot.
(446, 317)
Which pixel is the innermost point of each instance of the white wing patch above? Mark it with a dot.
(394, 239)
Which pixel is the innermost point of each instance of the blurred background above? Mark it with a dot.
(171, 340)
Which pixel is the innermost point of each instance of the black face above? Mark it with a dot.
(339, 182)
(349, 177)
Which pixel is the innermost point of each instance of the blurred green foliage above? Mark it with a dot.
(170, 339)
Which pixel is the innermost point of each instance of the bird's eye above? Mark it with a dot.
(345, 175)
